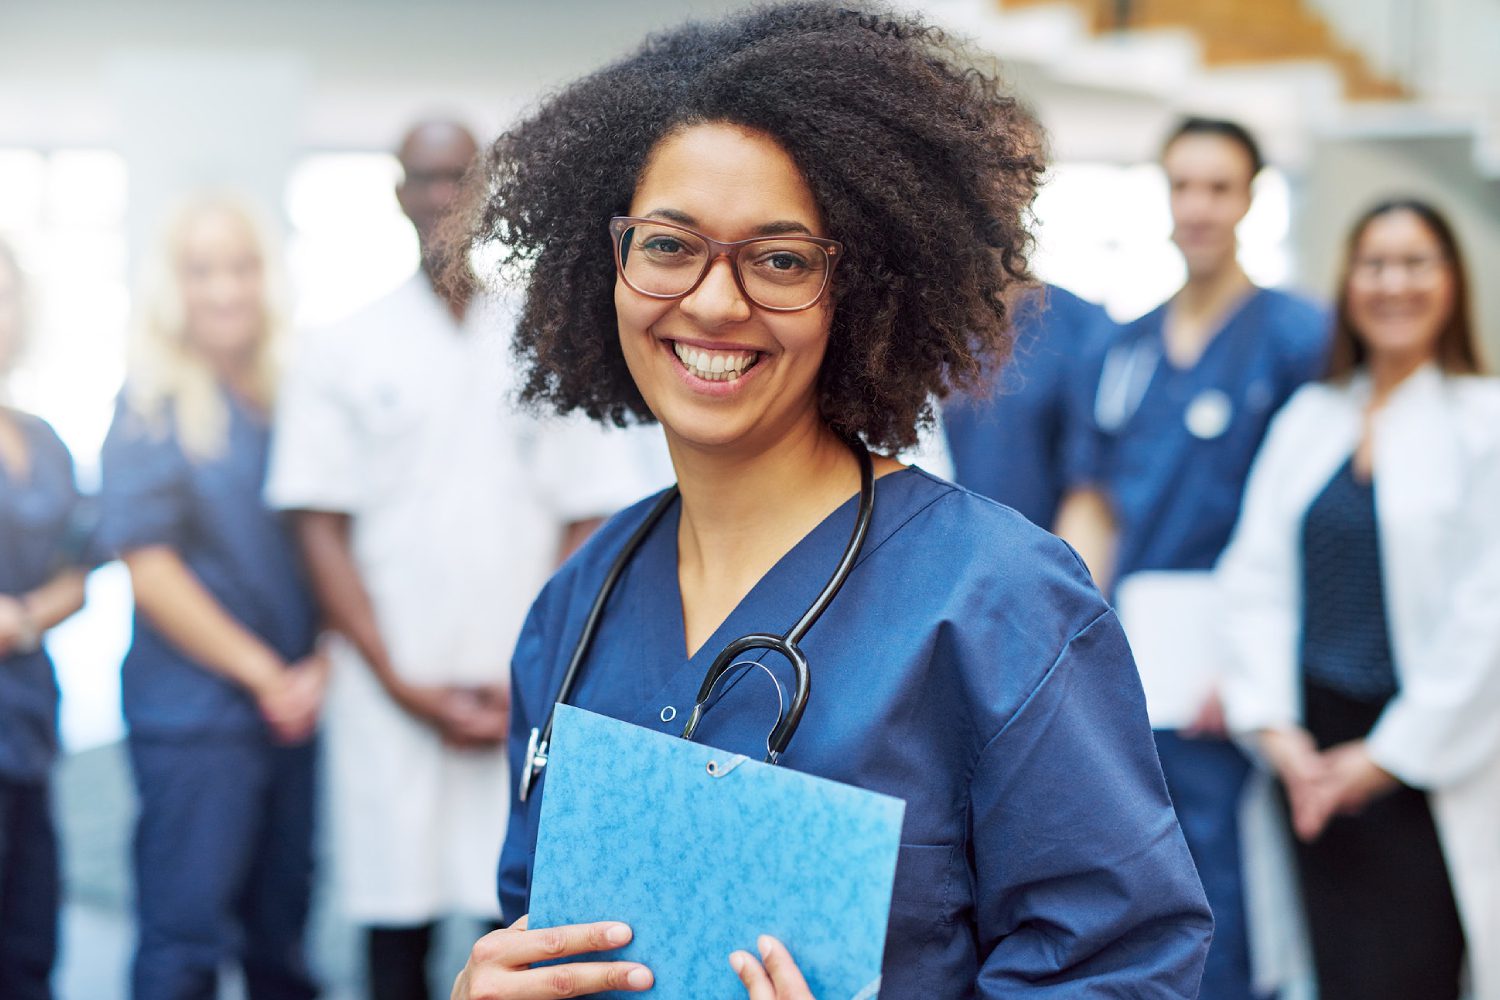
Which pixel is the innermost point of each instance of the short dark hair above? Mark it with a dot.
(1457, 351)
(922, 166)
(1223, 128)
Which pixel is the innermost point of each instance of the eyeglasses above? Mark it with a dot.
(666, 261)
(1417, 267)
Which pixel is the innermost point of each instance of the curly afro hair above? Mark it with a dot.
(922, 166)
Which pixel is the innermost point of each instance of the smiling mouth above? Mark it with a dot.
(715, 366)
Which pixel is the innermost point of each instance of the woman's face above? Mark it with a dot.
(10, 315)
(728, 183)
(223, 285)
(1401, 288)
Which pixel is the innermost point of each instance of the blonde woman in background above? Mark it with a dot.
(41, 583)
(1363, 584)
(222, 684)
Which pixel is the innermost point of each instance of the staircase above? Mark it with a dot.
(1241, 32)
(1292, 70)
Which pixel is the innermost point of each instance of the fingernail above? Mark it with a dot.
(639, 978)
(765, 943)
(737, 962)
(618, 934)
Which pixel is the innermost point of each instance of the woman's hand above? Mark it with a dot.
(1294, 757)
(778, 979)
(499, 966)
(1352, 778)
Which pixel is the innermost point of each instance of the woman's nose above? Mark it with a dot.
(717, 299)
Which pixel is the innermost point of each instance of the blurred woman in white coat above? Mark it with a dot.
(1364, 590)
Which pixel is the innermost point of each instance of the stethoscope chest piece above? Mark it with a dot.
(1208, 414)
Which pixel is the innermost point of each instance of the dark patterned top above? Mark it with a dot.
(1346, 643)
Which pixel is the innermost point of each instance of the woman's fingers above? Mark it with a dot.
(758, 985)
(513, 947)
(784, 973)
(499, 963)
(778, 979)
(575, 979)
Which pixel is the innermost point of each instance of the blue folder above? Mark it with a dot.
(702, 851)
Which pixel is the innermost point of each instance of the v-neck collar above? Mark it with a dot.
(1226, 332)
(772, 605)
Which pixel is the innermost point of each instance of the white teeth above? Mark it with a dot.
(715, 366)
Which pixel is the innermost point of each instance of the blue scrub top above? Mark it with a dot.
(969, 667)
(42, 532)
(212, 514)
(1008, 444)
(1176, 495)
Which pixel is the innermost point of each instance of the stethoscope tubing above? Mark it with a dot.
(785, 645)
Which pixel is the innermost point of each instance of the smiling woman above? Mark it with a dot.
(814, 213)
(1362, 582)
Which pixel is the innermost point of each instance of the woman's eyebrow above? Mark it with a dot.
(777, 228)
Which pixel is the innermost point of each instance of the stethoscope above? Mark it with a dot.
(539, 745)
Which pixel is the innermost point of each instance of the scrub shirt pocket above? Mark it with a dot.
(929, 895)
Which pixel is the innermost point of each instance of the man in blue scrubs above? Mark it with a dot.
(1176, 406)
(1008, 445)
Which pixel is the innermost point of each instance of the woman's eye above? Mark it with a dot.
(662, 245)
(783, 260)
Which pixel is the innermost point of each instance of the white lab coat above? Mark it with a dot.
(405, 421)
(1437, 496)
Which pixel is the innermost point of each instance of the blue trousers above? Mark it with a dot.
(223, 866)
(1205, 778)
(30, 891)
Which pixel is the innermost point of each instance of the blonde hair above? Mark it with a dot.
(165, 372)
(9, 262)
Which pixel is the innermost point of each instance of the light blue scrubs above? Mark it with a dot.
(41, 534)
(1008, 442)
(967, 666)
(1171, 449)
(223, 845)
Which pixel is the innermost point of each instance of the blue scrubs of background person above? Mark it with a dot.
(1178, 402)
(1009, 444)
(220, 684)
(995, 695)
(41, 547)
(224, 834)
(1175, 497)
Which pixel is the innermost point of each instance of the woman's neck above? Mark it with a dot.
(735, 503)
(743, 510)
(239, 375)
(1388, 370)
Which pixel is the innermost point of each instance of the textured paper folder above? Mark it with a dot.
(636, 827)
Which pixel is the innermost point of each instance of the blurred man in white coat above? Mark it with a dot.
(430, 514)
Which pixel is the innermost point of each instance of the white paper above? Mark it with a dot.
(1174, 621)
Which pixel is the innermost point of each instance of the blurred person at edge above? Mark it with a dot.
(222, 683)
(1008, 439)
(429, 513)
(1363, 582)
(41, 583)
(1175, 407)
